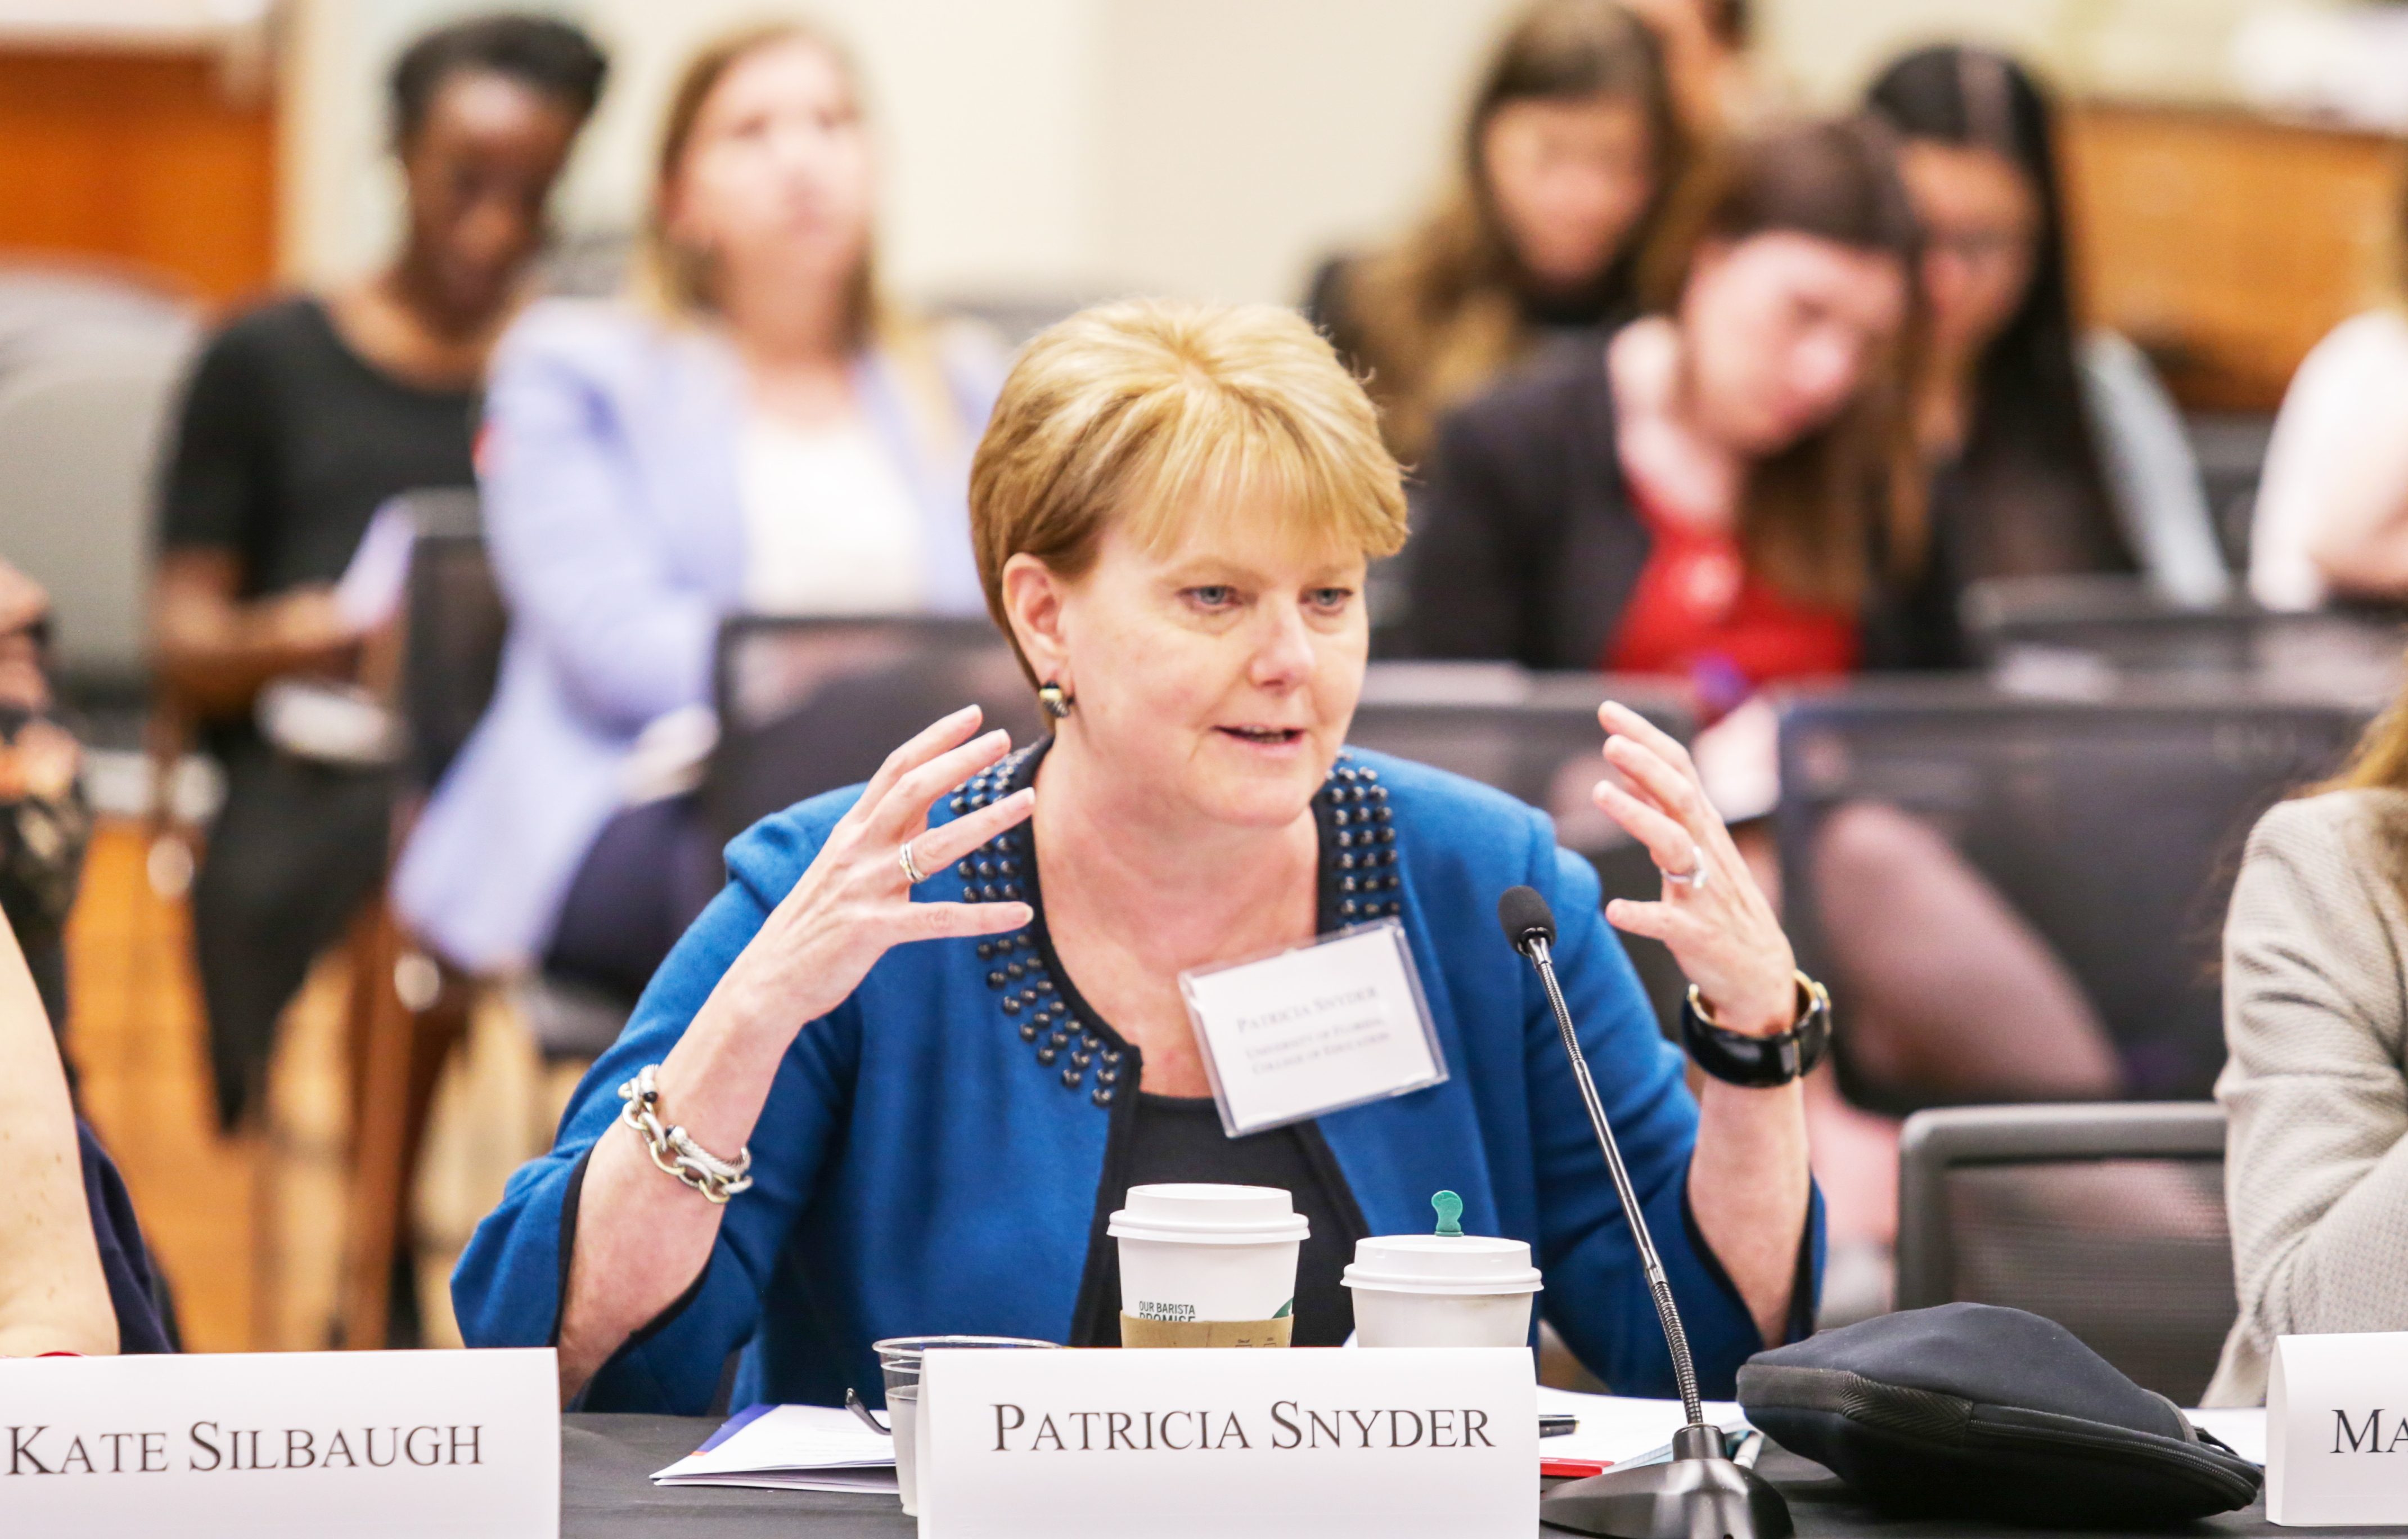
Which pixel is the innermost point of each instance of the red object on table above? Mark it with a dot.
(1571, 1469)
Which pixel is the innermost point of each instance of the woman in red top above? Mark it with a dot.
(1728, 490)
(1713, 492)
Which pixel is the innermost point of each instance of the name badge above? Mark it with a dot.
(1404, 1442)
(1331, 1023)
(237, 1445)
(2337, 1431)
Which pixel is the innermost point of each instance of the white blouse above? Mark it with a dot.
(830, 525)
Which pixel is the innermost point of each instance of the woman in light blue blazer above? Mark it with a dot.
(753, 431)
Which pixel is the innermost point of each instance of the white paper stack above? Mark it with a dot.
(1617, 1430)
(792, 1448)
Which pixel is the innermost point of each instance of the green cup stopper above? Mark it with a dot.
(1449, 1216)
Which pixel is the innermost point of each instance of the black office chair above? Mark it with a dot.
(451, 643)
(2051, 626)
(1535, 737)
(808, 705)
(407, 1011)
(2106, 1219)
(2232, 450)
(2114, 824)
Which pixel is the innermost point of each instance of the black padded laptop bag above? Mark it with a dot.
(1973, 1411)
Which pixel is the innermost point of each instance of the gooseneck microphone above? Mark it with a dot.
(1700, 1494)
(1530, 926)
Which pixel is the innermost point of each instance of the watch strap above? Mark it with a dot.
(1759, 1063)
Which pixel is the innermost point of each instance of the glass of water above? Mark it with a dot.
(898, 1358)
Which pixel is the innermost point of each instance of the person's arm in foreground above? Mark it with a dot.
(53, 1297)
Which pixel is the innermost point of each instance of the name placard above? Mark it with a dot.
(1399, 1444)
(244, 1445)
(2337, 1431)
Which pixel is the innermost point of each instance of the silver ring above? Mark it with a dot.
(1694, 877)
(912, 871)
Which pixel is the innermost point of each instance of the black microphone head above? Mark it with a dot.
(1525, 916)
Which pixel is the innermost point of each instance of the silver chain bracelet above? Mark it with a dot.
(673, 1151)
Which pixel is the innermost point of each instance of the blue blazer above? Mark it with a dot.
(609, 469)
(924, 1164)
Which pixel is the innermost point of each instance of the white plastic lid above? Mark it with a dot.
(1443, 1263)
(1202, 1214)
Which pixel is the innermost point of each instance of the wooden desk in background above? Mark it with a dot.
(2226, 244)
(152, 159)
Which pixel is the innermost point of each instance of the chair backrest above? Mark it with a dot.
(50, 309)
(2114, 825)
(2117, 626)
(2106, 1219)
(80, 434)
(810, 704)
(454, 631)
(2232, 450)
(1533, 736)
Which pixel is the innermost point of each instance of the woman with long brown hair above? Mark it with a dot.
(2315, 1019)
(1571, 141)
(752, 430)
(1711, 492)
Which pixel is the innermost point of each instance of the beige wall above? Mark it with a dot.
(1212, 147)
(2158, 49)
(1033, 146)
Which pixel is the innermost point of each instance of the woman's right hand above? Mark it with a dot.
(854, 901)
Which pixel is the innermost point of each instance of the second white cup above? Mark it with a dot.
(1441, 1290)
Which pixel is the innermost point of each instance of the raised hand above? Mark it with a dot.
(1712, 917)
(854, 903)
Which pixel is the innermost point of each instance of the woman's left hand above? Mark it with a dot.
(1712, 917)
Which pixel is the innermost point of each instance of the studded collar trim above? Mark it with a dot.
(1359, 880)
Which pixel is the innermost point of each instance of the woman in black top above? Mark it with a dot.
(302, 417)
(2053, 451)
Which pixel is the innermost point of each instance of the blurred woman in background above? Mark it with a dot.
(302, 419)
(755, 430)
(2315, 1019)
(1711, 493)
(1572, 140)
(2331, 517)
(2052, 452)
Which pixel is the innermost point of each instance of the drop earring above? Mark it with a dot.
(1056, 700)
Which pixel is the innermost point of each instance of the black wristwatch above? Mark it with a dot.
(1759, 1063)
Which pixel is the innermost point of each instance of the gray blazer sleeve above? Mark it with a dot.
(2317, 1174)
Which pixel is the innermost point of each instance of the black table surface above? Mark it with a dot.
(607, 1492)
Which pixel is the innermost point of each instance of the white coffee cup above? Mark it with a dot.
(1191, 1254)
(1441, 1290)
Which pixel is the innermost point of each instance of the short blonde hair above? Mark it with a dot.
(1133, 412)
